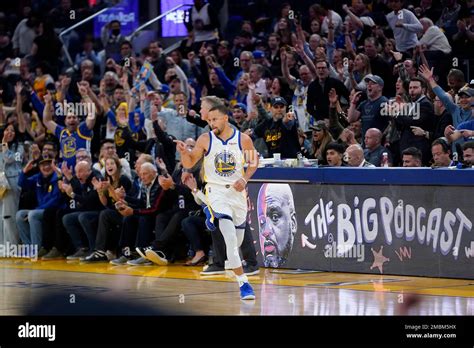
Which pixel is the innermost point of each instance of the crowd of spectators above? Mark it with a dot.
(88, 165)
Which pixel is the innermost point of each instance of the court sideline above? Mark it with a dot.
(181, 290)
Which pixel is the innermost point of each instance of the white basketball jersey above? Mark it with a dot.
(224, 160)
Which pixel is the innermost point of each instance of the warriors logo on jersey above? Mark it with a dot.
(69, 147)
(118, 137)
(224, 163)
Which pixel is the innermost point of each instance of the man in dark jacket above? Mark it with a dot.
(318, 91)
(279, 130)
(419, 114)
(167, 245)
(48, 195)
(85, 206)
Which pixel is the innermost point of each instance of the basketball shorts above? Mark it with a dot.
(227, 202)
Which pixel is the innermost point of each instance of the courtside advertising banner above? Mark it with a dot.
(399, 230)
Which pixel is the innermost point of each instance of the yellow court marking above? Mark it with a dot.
(348, 281)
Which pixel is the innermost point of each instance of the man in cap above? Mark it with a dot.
(460, 111)
(239, 114)
(464, 129)
(278, 129)
(258, 56)
(370, 111)
(48, 195)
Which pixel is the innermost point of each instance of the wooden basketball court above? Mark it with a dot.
(182, 290)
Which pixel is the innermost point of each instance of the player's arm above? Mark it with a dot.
(190, 158)
(251, 158)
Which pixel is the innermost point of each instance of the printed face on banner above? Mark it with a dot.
(277, 223)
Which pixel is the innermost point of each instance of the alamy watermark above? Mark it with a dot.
(394, 109)
(37, 331)
(333, 250)
(80, 109)
(19, 250)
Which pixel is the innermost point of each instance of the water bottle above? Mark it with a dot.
(385, 160)
(300, 160)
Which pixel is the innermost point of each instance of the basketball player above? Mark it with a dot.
(225, 151)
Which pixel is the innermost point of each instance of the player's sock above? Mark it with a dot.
(241, 279)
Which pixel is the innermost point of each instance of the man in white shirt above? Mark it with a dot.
(336, 21)
(405, 26)
(436, 47)
(433, 38)
(257, 85)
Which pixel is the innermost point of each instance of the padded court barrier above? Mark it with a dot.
(376, 220)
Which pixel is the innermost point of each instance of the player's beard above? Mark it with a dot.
(217, 131)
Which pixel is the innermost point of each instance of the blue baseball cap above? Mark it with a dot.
(375, 79)
(279, 101)
(240, 106)
(165, 89)
(258, 54)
